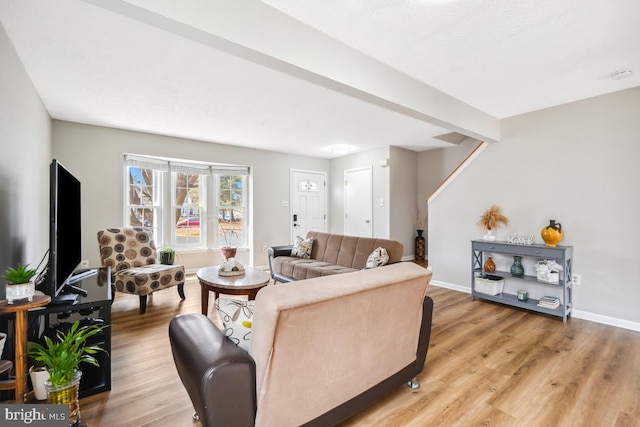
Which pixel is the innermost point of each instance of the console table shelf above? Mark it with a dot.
(562, 290)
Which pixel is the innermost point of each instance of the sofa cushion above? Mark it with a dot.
(377, 258)
(299, 269)
(302, 247)
(237, 317)
(351, 251)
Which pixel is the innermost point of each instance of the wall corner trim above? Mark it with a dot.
(458, 170)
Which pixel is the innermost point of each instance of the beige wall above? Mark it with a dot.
(25, 143)
(402, 197)
(95, 155)
(434, 167)
(576, 163)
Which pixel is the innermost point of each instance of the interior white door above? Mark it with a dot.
(357, 202)
(308, 202)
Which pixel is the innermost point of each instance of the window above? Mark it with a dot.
(230, 210)
(175, 197)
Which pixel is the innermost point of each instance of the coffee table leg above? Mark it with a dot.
(204, 299)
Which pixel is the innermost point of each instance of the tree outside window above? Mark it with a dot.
(189, 210)
(231, 210)
(143, 200)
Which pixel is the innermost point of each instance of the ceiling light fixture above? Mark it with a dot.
(340, 149)
(621, 74)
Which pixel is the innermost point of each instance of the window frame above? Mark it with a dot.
(165, 187)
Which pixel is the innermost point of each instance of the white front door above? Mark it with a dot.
(357, 202)
(308, 202)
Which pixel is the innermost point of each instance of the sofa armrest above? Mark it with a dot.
(219, 377)
(276, 251)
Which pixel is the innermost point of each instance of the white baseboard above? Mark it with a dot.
(411, 258)
(578, 314)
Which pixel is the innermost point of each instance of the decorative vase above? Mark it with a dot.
(419, 246)
(66, 394)
(489, 237)
(167, 257)
(228, 252)
(489, 266)
(39, 375)
(552, 233)
(517, 269)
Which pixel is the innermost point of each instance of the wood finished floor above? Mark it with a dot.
(487, 365)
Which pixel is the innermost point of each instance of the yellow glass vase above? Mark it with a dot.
(66, 394)
(552, 233)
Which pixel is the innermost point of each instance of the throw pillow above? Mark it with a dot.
(237, 317)
(302, 247)
(377, 258)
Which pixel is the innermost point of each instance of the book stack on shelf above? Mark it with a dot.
(549, 302)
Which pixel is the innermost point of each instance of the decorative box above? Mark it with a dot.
(553, 278)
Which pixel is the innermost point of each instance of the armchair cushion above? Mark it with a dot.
(148, 278)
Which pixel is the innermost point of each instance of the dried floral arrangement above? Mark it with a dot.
(492, 218)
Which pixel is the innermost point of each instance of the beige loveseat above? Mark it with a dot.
(321, 350)
(330, 254)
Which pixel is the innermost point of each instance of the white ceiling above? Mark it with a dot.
(297, 76)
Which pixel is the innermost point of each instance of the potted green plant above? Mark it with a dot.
(19, 284)
(62, 357)
(167, 255)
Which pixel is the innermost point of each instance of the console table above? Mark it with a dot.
(563, 289)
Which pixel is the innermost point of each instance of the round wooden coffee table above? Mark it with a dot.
(247, 284)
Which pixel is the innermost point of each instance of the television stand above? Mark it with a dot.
(68, 288)
(64, 299)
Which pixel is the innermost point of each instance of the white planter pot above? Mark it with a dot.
(21, 291)
(37, 381)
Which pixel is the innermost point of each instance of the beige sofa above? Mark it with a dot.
(322, 349)
(330, 254)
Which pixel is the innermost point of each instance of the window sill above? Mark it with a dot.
(205, 250)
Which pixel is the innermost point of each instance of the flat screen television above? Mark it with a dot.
(65, 245)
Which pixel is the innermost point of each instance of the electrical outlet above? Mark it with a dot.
(84, 263)
(264, 248)
(575, 279)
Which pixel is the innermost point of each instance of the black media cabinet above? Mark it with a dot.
(94, 308)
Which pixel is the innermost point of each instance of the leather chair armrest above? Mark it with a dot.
(219, 377)
(276, 251)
